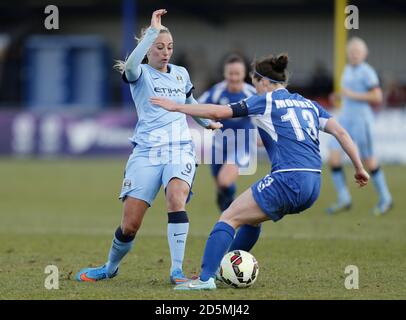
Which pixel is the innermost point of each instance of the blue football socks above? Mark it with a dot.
(225, 196)
(217, 245)
(246, 238)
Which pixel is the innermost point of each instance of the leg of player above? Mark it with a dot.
(244, 210)
(343, 196)
(226, 187)
(385, 199)
(134, 211)
(247, 236)
(177, 192)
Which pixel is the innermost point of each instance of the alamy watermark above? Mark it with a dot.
(352, 19)
(231, 146)
(352, 280)
(52, 281)
(52, 20)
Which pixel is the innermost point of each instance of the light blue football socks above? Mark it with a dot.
(121, 245)
(385, 199)
(178, 229)
(381, 187)
(340, 185)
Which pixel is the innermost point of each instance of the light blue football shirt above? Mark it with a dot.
(155, 125)
(359, 78)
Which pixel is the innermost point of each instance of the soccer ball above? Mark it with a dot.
(238, 269)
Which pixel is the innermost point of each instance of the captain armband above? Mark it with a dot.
(240, 109)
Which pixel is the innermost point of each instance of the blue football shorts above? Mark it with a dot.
(282, 193)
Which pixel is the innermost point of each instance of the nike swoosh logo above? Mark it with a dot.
(84, 277)
(178, 234)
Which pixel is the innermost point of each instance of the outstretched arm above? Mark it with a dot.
(205, 123)
(372, 96)
(332, 127)
(209, 111)
(132, 66)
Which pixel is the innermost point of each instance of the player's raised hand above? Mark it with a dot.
(164, 103)
(361, 177)
(156, 18)
(215, 125)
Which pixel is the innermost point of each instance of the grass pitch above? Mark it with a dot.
(64, 213)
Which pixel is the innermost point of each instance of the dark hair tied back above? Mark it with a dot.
(280, 63)
(272, 67)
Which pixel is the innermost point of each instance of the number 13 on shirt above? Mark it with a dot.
(291, 116)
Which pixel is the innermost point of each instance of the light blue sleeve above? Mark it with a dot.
(371, 78)
(133, 63)
(201, 121)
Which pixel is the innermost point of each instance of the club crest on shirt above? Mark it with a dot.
(127, 183)
(179, 78)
